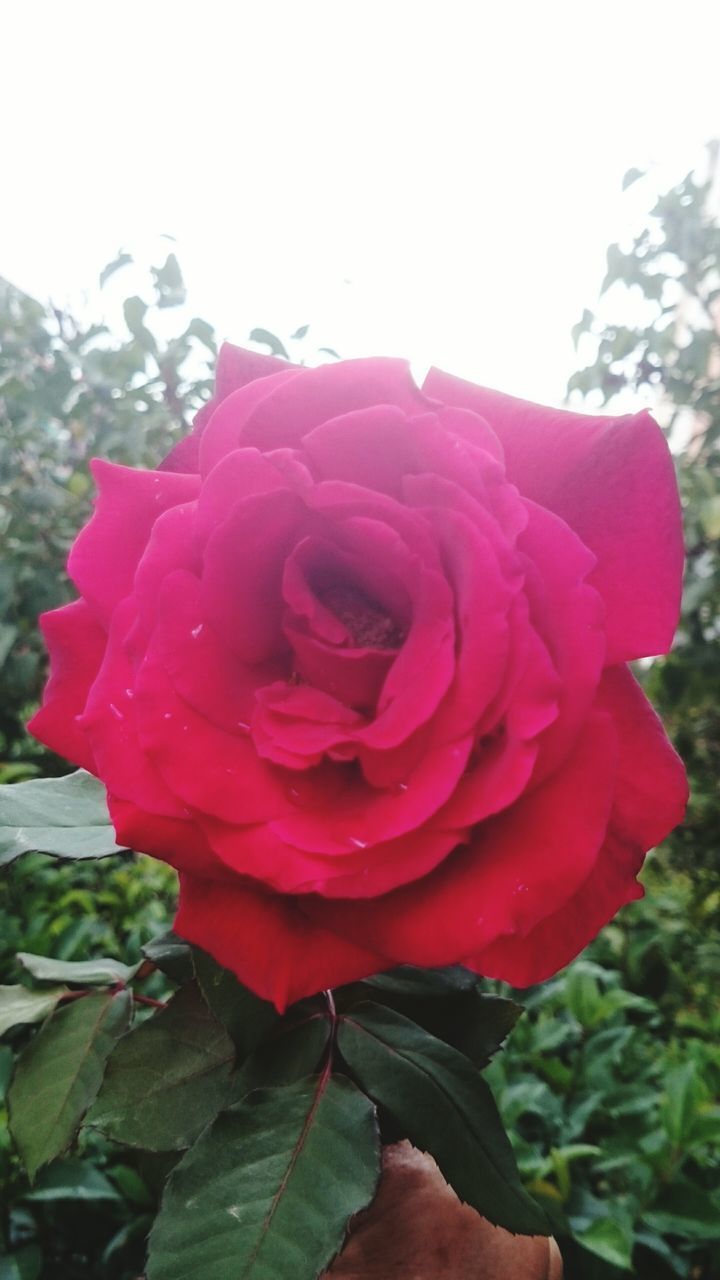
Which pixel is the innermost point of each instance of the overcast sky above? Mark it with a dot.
(428, 178)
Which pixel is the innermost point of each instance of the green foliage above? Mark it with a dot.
(18, 1005)
(66, 817)
(244, 1014)
(438, 1100)
(287, 1167)
(78, 911)
(611, 1098)
(58, 1074)
(168, 1078)
(70, 390)
(217, 1072)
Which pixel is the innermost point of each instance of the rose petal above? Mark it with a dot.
(174, 840)
(242, 573)
(650, 798)
(296, 406)
(76, 643)
(569, 615)
(234, 369)
(110, 722)
(106, 553)
(612, 481)
(172, 546)
(202, 670)
(361, 816)
(267, 941)
(232, 784)
(526, 862)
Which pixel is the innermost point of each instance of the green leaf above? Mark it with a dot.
(167, 1078)
(59, 1073)
(267, 1191)
(134, 311)
(631, 176)
(66, 817)
(448, 1003)
(300, 333)
(269, 340)
(7, 1059)
(685, 1209)
(610, 1240)
(18, 1005)
(25, 1264)
(122, 260)
(293, 1049)
(244, 1014)
(682, 1097)
(442, 1104)
(204, 333)
(169, 283)
(171, 956)
(72, 1180)
(82, 972)
(583, 996)
(8, 636)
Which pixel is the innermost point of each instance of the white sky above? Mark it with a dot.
(431, 178)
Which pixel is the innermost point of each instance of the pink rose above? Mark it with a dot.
(353, 661)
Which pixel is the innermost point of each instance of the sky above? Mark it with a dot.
(437, 179)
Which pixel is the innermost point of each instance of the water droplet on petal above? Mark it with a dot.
(116, 712)
(196, 631)
(130, 693)
(242, 725)
(167, 715)
(358, 844)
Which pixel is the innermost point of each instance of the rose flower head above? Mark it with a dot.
(353, 660)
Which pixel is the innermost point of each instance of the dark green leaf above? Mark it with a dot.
(122, 260)
(686, 1209)
(204, 333)
(610, 1240)
(169, 283)
(441, 1103)
(167, 1078)
(293, 1049)
(681, 1102)
(241, 1012)
(632, 175)
(269, 340)
(134, 311)
(266, 1193)
(8, 636)
(72, 1180)
(171, 956)
(447, 1002)
(66, 817)
(18, 1005)
(6, 1066)
(59, 1073)
(24, 1264)
(81, 972)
